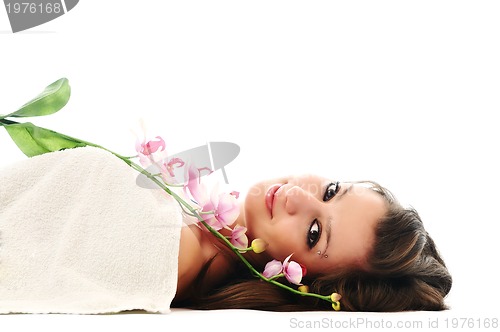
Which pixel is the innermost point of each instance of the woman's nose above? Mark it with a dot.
(299, 200)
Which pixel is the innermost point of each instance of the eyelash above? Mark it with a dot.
(311, 242)
(335, 191)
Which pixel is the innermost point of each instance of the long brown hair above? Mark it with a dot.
(405, 272)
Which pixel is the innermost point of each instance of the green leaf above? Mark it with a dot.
(51, 100)
(33, 140)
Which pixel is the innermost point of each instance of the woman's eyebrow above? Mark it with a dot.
(344, 192)
(329, 223)
(328, 233)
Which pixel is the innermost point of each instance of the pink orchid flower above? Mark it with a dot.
(224, 206)
(167, 170)
(151, 152)
(227, 208)
(238, 237)
(272, 269)
(194, 188)
(292, 271)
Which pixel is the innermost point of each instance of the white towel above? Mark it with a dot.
(77, 235)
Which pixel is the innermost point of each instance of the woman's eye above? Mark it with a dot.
(331, 190)
(314, 233)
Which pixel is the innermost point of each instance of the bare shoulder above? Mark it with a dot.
(195, 251)
(190, 258)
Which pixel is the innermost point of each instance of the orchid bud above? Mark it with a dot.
(335, 297)
(259, 245)
(303, 289)
(336, 306)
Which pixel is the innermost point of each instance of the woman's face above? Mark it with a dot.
(324, 224)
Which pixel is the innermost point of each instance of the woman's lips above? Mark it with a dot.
(270, 197)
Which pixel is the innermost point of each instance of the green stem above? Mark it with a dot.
(206, 212)
(174, 185)
(277, 276)
(279, 284)
(245, 249)
(131, 157)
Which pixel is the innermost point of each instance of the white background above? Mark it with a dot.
(400, 92)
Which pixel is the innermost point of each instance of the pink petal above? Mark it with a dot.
(293, 272)
(138, 146)
(170, 166)
(238, 237)
(238, 231)
(241, 242)
(228, 209)
(158, 156)
(210, 218)
(212, 221)
(304, 270)
(153, 146)
(272, 268)
(145, 160)
(193, 186)
(285, 262)
(152, 151)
